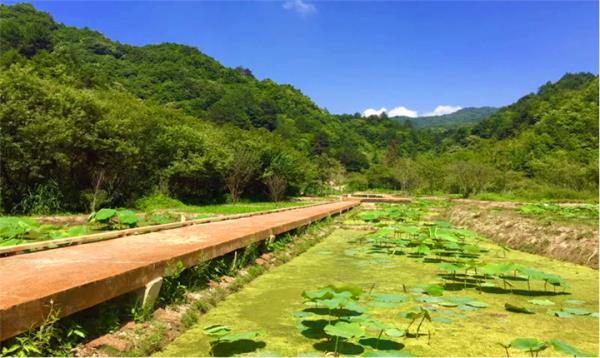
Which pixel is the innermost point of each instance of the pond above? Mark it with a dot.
(405, 267)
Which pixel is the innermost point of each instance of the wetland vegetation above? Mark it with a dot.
(409, 286)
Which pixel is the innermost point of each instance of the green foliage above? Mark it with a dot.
(14, 229)
(157, 201)
(583, 212)
(42, 200)
(172, 289)
(80, 131)
(140, 312)
(51, 338)
(114, 218)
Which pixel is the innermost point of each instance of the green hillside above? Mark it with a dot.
(462, 117)
(89, 122)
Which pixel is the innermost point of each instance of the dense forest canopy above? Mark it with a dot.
(88, 122)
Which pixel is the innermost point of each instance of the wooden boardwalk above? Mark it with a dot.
(78, 277)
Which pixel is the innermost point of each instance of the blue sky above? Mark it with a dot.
(350, 56)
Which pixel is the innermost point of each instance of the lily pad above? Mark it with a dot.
(394, 332)
(541, 302)
(428, 299)
(459, 299)
(577, 311)
(477, 304)
(568, 349)
(344, 330)
(376, 304)
(528, 344)
(447, 304)
(241, 336)
(441, 319)
(467, 308)
(387, 354)
(217, 330)
(390, 297)
(434, 290)
(561, 314)
(301, 314)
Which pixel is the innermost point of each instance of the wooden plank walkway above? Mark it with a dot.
(78, 277)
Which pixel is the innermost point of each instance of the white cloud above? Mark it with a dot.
(402, 111)
(300, 7)
(396, 111)
(405, 112)
(373, 112)
(441, 110)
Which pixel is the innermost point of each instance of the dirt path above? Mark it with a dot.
(78, 277)
(575, 243)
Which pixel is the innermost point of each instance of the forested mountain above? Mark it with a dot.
(462, 117)
(88, 122)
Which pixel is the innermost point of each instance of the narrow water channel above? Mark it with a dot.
(273, 304)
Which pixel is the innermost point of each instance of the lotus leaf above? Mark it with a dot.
(563, 347)
(451, 267)
(476, 304)
(561, 314)
(344, 330)
(217, 330)
(458, 299)
(374, 325)
(448, 304)
(441, 319)
(127, 217)
(467, 308)
(387, 354)
(531, 273)
(408, 229)
(434, 290)
(377, 304)
(471, 249)
(422, 249)
(528, 344)
(577, 311)
(390, 297)
(428, 299)
(394, 332)
(541, 302)
(241, 336)
(301, 314)
(103, 215)
(517, 309)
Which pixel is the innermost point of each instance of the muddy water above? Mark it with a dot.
(269, 303)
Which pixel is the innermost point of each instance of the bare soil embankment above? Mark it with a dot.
(577, 243)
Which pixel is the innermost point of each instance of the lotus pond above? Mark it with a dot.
(388, 282)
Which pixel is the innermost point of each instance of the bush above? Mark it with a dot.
(44, 199)
(157, 201)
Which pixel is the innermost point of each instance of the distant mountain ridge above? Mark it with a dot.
(462, 117)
